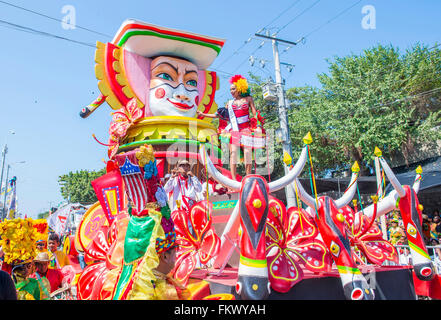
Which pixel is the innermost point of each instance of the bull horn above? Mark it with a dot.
(417, 182)
(385, 205)
(392, 178)
(350, 192)
(230, 183)
(293, 173)
(304, 196)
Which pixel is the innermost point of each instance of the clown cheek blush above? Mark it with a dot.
(197, 100)
(159, 93)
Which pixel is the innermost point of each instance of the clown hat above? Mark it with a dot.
(149, 40)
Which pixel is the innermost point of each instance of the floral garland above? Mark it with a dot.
(18, 240)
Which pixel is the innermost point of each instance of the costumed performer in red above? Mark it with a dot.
(240, 125)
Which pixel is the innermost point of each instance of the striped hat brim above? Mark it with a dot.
(149, 40)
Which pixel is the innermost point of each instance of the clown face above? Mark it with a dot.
(173, 87)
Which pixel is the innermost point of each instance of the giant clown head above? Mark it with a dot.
(173, 87)
(164, 69)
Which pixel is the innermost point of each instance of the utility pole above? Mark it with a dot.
(283, 115)
(5, 150)
(6, 191)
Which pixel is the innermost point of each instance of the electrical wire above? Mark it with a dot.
(299, 15)
(42, 33)
(332, 19)
(55, 19)
(249, 40)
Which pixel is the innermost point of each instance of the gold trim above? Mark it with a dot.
(171, 127)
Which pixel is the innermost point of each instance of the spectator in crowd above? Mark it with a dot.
(54, 276)
(396, 233)
(58, 258)
(426, 229)
(214, 188)
(433, 226)
(7, 288)
(435, 254)
(41, 246)
(28, 288)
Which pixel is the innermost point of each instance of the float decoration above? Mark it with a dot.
(292, 243)
(405, 199)
(331, 224)
(196, 239)
(368, 239)
(251, 212)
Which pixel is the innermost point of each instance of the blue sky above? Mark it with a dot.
(46, 81)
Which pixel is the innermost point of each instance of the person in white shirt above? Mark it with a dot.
(184, 186)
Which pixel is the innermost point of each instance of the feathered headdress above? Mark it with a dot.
(241, 85)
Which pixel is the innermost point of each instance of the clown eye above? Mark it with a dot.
(335, 249)
(165, 76)
(192, 83)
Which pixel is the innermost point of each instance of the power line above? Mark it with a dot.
(299, 15)
(18, 27)
(280, 14)
(332, 19)
(55, 19)
(249, 40)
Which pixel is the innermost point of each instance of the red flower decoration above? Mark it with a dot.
(291, 240)
(367, 238)
(195, 238)
(121, 122)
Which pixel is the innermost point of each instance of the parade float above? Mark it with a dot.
(156, 79)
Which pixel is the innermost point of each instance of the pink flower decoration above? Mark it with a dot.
(368, 239)
(291, 241)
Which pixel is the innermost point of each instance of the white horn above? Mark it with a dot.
(417, 182)
(392, 178)
(349, 194)
(233, 184)
(304, 196)
(385, 205)
(293, 173)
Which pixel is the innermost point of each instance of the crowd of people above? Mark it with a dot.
(34, 276)
(431, 229)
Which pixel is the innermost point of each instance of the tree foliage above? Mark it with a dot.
(76, 186)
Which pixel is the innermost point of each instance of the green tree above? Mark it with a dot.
(77, 186)
(379, 98)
